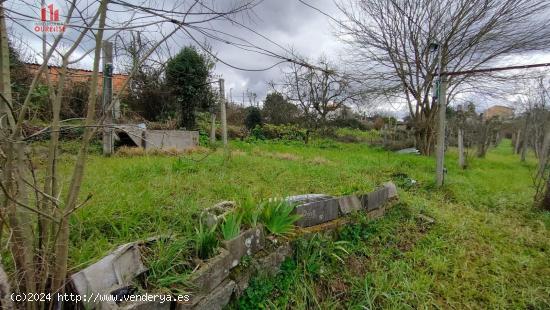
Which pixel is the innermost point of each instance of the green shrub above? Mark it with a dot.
(352, 123)
(231, 226)
(280, 132)
(277, 218)
(168, 262)
(250, 211)
(206, 242)
(356, 135)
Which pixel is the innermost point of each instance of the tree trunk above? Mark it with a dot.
(518, 140)
(524, 148)
(62, 241)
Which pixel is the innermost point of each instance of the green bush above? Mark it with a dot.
(356, 135)
(250, 211)
(206, 242)
(231, 226)
(277, 218)
(279, 132)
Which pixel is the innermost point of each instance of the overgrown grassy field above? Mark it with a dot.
(487, 249)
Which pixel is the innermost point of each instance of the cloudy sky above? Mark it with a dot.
(287, 25)
(292, 25)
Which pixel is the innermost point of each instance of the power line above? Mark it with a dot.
(465, 72)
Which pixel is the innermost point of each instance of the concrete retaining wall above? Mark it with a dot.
(222, 278)
(160, 139)
(164, 139)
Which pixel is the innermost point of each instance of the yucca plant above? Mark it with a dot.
(277, 217)
(250, 211)
(206, 241)
(231, 226)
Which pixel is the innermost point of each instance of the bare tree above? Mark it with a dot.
(317, 91)
(390, 43)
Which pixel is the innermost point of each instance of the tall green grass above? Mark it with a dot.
(488, 248)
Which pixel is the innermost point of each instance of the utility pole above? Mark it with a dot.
(107, 97)
(440, 152)
(441, 94)
(213, 125)
(222, 114)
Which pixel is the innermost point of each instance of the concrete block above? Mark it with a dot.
(241, 275)
(212, 273)
(377, 198)
(164, 139)
(249, 242)
(271, 263)
(376, 213)
(114, 271)
(218, 298)
(392, 190)
(301, 199)
(317, 212)
(145, 305)
(349, 204)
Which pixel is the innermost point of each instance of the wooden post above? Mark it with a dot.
(5, 80)
(223, 115)
(440, 146)
(107, 97)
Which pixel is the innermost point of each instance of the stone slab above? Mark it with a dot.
(317, 212)
(218, 298)
(145, 305)
(212, 273)
(271, 263)
(348, 204)
(166, 139)
(376, 213)
(241, 275)
(377, 198)
(248, 242)
(301, 199)
(113, 271)
(392, 190)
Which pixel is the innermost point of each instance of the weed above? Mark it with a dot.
(168, 262)
(206, 242)
(277, 218)
(250, 211)
(231, 226)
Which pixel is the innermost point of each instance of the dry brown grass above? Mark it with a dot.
(237, 153)
(284, 156)
(125, 151)
(319, 160)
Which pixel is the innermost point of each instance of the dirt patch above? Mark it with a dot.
(125, 151)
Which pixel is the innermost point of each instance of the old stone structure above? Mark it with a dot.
(79, 76)
(498, 111)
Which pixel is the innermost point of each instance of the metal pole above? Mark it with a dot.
(213, 127)
(107, 97)
(222, 114)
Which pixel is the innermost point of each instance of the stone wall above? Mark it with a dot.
(223, 277)
(160, 139)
